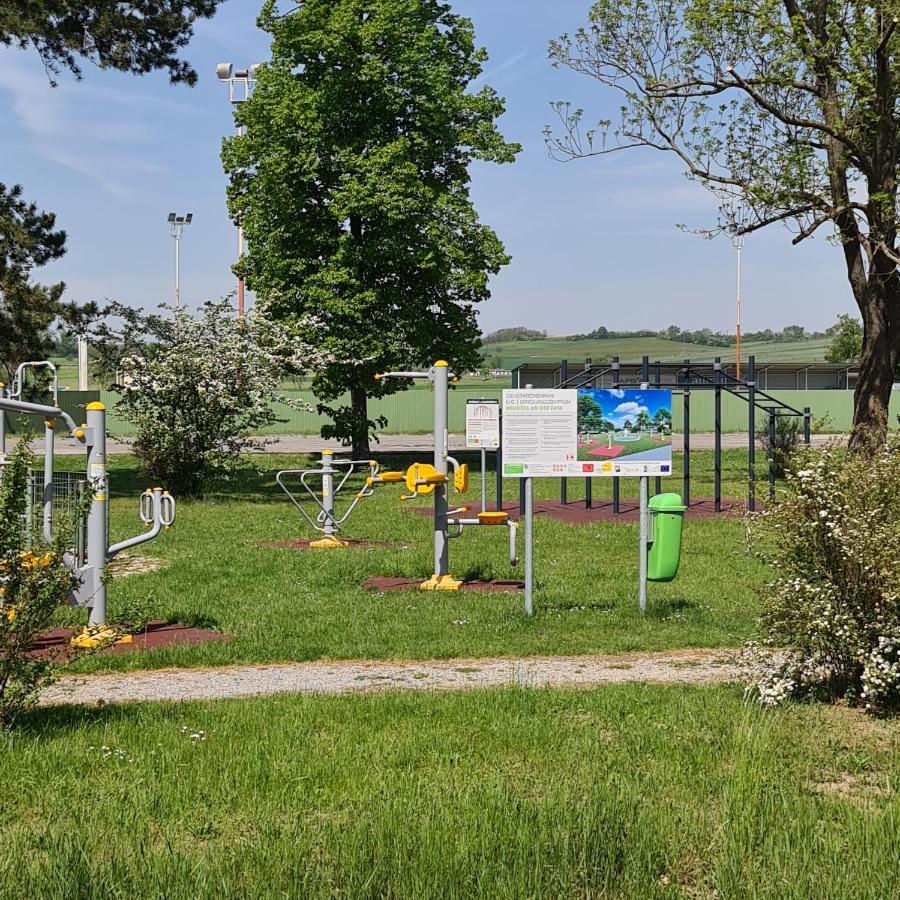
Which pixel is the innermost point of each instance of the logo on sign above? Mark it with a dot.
(587, 467)
(664, 468)
(606, 467)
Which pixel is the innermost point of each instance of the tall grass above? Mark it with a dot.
(622, 792)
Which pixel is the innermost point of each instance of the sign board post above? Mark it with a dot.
(483, 433)
(589, 432)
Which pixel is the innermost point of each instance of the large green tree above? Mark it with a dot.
(352, 185)
(787, 111)
(846, 340)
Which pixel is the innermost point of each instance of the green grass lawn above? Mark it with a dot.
(621, 792)
(631, 350)
(298, 605)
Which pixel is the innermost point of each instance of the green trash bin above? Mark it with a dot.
(666, 519)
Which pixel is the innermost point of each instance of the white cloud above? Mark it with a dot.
(505, 66)
(95, 131)
(615, 392)
(627, 410)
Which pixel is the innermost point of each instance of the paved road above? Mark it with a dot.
(308, 443)
(352, 676)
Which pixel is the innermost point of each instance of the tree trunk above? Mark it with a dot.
(359, 422)
(877, 365)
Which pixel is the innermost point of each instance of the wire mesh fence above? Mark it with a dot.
(64, 493)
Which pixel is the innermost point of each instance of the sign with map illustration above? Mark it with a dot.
(589, 432)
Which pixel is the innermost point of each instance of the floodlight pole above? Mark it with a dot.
(738, 242)
(176, 225)
(240, 84)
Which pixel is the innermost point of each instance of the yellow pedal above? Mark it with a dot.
(92, 638)
(493, 518)
(328, 543)
(390, 477)
(441, 583)
(461, 479)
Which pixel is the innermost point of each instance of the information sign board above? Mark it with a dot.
(482, 424)
(590, 432)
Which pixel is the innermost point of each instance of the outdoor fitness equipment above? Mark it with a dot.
(690, 377)
(334, 474)
(88, 559)
(423, 479)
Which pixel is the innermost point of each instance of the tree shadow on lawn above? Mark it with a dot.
(48, 722)
(665, 608)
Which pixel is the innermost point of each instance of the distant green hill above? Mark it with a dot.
(553, 349)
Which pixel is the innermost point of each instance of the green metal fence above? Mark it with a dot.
(410, 412)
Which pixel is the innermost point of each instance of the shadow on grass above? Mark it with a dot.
(661, 609)
(194, 620)
(52, 721)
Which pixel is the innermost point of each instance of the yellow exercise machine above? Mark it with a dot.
(435, 478)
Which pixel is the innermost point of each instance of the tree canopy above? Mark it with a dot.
(846, 340)
(786, 111)
(28, 238)
(352, 185)
(136, 37)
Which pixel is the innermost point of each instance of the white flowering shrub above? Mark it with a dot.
(833, 539)
(197, 388)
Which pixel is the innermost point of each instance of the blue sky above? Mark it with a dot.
(620, 406)
(594, 242)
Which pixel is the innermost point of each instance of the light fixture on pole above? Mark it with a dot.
(176, 224)
(738, 242)
(240, 84)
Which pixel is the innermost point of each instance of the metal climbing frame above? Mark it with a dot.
(334, 474)
(689, 377)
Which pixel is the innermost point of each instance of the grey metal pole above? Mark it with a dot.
(717, 450)
(772, 438)
(82, 363)
(329, 528)
(686, 454)
(177, 269)
(47, 500)
(643, 539)
(529, 552)
(615, 486)
(563, 482)
(657, 487)
(751, 425)
(2, 423)
(521, 482)
(441, 426)
(807, 426)
(498, 462)
(483, 479)
(97, 528)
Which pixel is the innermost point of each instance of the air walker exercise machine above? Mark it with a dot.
(333, 475)
(88, 559)
(434, 478)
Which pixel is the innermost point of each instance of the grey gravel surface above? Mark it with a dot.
(310, 443)
(675, 667)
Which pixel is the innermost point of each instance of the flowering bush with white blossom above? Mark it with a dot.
(198, 388)
(834, 607)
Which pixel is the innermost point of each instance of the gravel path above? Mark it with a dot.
(670, 667)
(310, 443)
